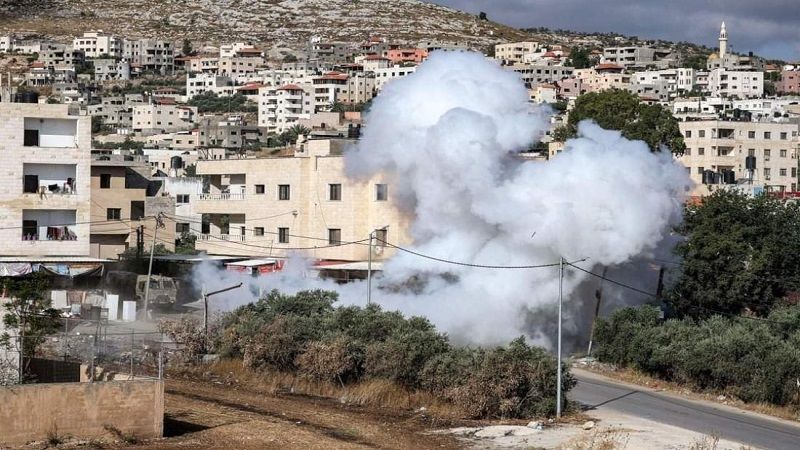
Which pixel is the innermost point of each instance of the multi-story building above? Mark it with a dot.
(96, 44)
(150, 54)
(238, 65)
(603, 77)
(539, 74)
(162, 118)
(270, 206)
(514, 52)
(54, 55)
(723, 146)
(111, 69)
(328, 52)
(739, 84)
(637, 57)
(280, 109)
(675, 80)
(45, 195)
(340, 87)
(406, 55)
(113, 111)
(198, 83)
(383, 76)
(120, 204)
(790, 82)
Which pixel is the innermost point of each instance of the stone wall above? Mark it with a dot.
(31, 412)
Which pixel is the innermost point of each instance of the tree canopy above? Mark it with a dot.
(616, 109)
(579, 58)
(741, 255)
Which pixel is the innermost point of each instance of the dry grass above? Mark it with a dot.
(373, 393)
(599, 439)
(636, 377)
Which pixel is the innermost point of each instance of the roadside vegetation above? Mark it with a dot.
(732, 316)
(308, 337)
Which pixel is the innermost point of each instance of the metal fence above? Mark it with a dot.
(90, 350)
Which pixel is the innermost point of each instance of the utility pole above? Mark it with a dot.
(372, 237)
(599, 296)
(558, 369)
(205, 308)
(159, 224)
(139, 241)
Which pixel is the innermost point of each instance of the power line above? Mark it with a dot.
(465, 264)
(90, 222)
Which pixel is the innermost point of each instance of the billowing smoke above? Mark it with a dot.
(447, 136)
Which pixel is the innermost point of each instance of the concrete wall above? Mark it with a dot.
(32, 411)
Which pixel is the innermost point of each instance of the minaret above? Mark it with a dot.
(723, 41)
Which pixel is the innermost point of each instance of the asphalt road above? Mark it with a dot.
(596, 392)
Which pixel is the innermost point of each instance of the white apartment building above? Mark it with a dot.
(340, 87)
(45, 195)
(541, 74)
(637, 56)
(700, 107)
(383, 76)
(156, 118)
(267, 206)
(280, 109)
(681, 79)
(198, 83)
(722, 146)
(738, 84)
(231, 50)
(96, 44)
(236, 65)
(602, 77)
(515, 52)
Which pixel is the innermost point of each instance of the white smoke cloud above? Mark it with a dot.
(446, 135)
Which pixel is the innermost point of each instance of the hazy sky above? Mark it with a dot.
(770, 28)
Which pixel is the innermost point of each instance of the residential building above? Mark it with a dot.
(637, 57)
(120, 204)
(198, 83)
(675, 80)
(231, 50)
(277, 205)
(723, 146)
(790, 82)
(96, 44)
(383, 76)
(161, 118)
(54, 55)
(185, 191)
(338, 87)
(432, 46)
(536, 74)
(514, 52)
(738, 84)
(45, 195)
(406, 55)
(544, 93)
(151, 55)
(111, 69)
(328, 52)
(603, 77)
(237, 65)
(280, 109)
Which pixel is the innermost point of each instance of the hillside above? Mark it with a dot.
(273, 23)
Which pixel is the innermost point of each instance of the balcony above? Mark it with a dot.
(48, 225)
(222, 196)
(222, 237)
(47, 179)
(53, 133)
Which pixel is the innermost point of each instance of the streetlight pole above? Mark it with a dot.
(205, 308)
(158, 225)
(558, 369)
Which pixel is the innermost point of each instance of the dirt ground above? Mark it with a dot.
(202, 415)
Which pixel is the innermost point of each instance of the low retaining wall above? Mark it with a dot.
(30, 412)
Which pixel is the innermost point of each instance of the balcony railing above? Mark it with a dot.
(222, 237)
(66, 187)
(222, 196)
(45, 233)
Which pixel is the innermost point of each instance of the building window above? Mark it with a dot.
(283, 235)
(701, 151)
(105, 181)
(181, 228)
(260, 189)
(284, 192)
(751, 152)
(751, 134)
(113, 213)
(794, 173)
(701, 133)
(687, 152)
(783, 153)
(766, 173)
(767, 154)
(767, 135)
(700, 170)
(381, 237)
(381, 192)
(335, 236)
(183, 198)
(335, 192)
(688, 133)
(258, 231)
(783, 172)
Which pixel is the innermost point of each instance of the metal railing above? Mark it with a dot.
(222, 196)
(222, 237)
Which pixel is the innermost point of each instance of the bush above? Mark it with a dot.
(189, 334)
(754, 360)
(305, 334)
